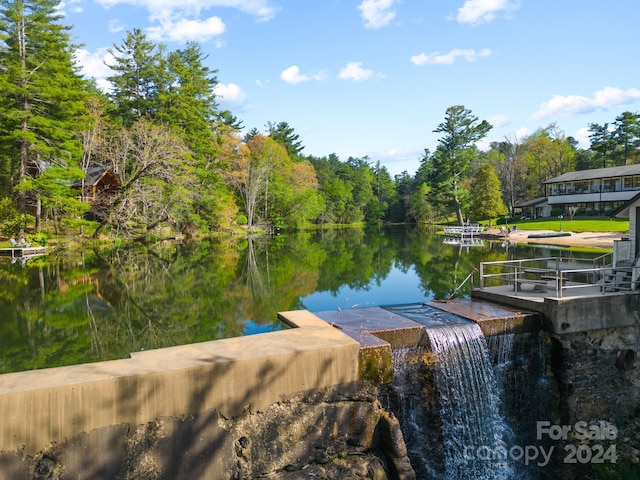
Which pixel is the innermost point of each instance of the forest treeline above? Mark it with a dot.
(185, 165)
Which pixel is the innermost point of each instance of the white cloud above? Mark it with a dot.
(179, 20)
(184, 30)
(377, 13)
(94, 65)
(484, 144)
(522, 133)
(115, 25)
(438, 58)
(476, 12)
(261, 9)
(499, 120)
(293, 76)
(74, 6)
(570, 105)
(354, 71)
(230, 95)
(582, 137)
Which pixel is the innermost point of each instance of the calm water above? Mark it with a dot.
(74, 307)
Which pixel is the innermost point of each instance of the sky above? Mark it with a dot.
(374, 78)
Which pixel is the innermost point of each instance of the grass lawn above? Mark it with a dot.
(604, 224)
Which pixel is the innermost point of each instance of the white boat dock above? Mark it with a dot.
(15, 252)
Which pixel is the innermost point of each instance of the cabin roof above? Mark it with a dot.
(94, 175)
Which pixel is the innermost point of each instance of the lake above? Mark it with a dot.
(84, 306)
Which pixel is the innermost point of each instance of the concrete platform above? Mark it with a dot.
(582, 308)
(380, 330)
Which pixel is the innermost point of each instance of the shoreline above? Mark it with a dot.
(577, 239)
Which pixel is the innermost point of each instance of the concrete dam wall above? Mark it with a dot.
(306, 402)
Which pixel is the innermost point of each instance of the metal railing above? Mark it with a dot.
(540, 271)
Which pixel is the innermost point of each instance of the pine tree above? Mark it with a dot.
(456, 149)
(286, 136)
(139, 77)
(42, 99)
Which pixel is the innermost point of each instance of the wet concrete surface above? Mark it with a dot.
(404, 325)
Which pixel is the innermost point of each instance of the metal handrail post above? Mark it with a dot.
(559, 283)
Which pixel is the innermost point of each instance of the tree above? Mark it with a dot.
(285, 136)
(138, 78)
(157, 180)
(420, 209)
(249, 167)
(189, 103)
(508, 159)
(603, 143)
(384, 191)
(627, 136)
(550, 154)
(358, 173)
(335, 192)
(486, 194)
(60, 201)
(293, 194)
(404, 187)
(456, 149)
(42, 96)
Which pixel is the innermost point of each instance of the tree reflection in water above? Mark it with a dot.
(73, 307)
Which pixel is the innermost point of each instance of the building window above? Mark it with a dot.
(607, 185)
(617, 184)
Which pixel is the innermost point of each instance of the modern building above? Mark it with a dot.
(538, 207)
(631, 210)
(594, 192)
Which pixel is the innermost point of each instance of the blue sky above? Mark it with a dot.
(375, 77)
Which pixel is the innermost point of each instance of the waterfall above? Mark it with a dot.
(465, 401)
(475, 435)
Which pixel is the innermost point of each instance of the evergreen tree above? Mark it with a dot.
(286, 136)
(189, 106)
(42, 96)
(189, 102)
(627, 136)
(385, 193)
(335, 192)
(139, 77)
(456, 149)
(602, 144)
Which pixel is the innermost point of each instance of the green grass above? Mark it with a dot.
(604, 224)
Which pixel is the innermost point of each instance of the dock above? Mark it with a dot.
(15, 252)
